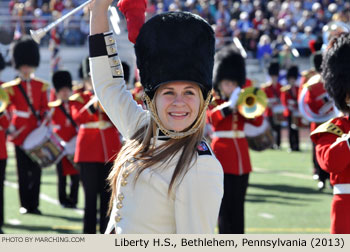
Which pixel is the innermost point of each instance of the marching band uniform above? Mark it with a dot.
(318, 101)
(23, 121)
(332, 138)
(98, 143)
(332, 149)
(229, 143)
(289, 98)
(66, 130)
(146, 206)
(273, 93)
(4, 123)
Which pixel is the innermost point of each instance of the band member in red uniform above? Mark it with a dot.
(289, 98)
(66, 129)
(274, 111)
(28, 106)
(332, 138)
(4, 123)
(321, 105)
(97, 145)
(228, 141)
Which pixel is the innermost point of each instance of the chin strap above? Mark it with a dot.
(177, 134)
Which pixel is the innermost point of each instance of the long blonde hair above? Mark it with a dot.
(141, 148)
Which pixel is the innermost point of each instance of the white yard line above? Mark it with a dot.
(43, 197)
(283, 173)
(266, 215)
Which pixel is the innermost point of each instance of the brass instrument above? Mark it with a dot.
(252, 102)
(4, 100)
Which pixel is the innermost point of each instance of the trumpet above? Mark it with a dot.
(37, 35)
(4, 100)
(252, 102)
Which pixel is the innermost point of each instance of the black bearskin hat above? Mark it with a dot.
(84, 69)
(274, 69)
(2, 63)
(229, 65)
(317, 61)
(61, 79)
(336, 70)
(293, 72)
(25, 52)
(175, 46)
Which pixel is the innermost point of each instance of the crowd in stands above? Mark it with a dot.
(260, 25)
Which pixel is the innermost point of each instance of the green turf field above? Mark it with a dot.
(282, 198)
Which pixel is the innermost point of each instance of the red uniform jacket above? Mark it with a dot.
(22, 117)
(4, 123)
(98, 140)
(63, 127)
(333, 155)
(289, 99)
(273, 93)
(232, 152)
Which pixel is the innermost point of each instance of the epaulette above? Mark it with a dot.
(12, 83)
(45, 86)
(203, 149)
(265, 85)
(54, 104)
(77, 97)
(328, 127)
(285, 88)
(317, 78)
(77, 87)
(8, 86)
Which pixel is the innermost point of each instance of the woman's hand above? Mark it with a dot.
(99, 16)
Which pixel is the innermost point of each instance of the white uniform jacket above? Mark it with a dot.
(145, 206)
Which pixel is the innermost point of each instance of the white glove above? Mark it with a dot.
(234, 97)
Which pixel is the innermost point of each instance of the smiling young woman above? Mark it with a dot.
(165, 178)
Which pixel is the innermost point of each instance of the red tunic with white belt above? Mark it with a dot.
(98, 140)
(273, 93)
(63, 127)
(333, 154)
(4, 123)
(22, 117)
(228, 140)
(289, 99)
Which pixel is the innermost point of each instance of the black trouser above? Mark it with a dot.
(29, 176)
(322, 174)
(276, 130)
(2, 179)
(293, 133)
(62, 184)
(94, 179)
(231, 217)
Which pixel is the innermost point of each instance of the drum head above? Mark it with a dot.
(35, 138)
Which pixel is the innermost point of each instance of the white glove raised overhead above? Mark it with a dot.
(234, 97)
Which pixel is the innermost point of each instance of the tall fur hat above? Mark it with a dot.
(229, 65)
(293, 72)
(336, 70)
(61, 79)
(274, 69)
(175, 46)
(2, 62)
(25, 52)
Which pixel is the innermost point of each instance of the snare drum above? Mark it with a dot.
(277, 114)
(259, 138)
(43, 146)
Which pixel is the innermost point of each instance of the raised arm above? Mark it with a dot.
(107, 75)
